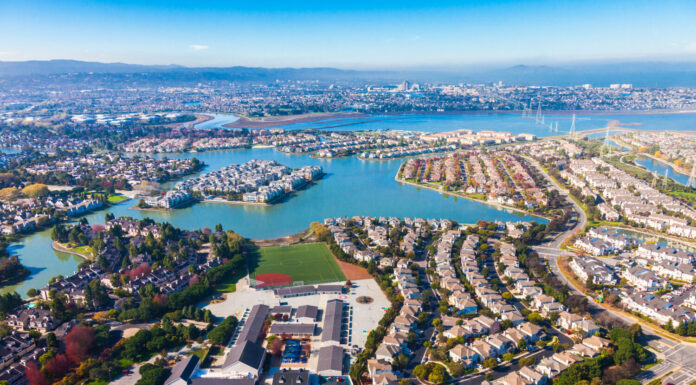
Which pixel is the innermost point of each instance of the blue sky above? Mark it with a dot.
(347, 34)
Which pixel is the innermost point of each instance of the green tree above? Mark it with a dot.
(438, 375)
(490, 363)
(421, 371)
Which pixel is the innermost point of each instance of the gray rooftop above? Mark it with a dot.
(253, 324)
(183, 369)
(292, 328)
(307, 311)
(333, 319)
(330, 358)
(247, 353)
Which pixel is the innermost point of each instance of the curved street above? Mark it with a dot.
(677, 357)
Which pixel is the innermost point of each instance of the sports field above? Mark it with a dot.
(311, 263)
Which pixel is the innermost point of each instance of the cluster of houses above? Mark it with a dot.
(648, 266)
(170, 199)
(16, 350)
(115, 166)
(336, 141)
(558, 150)
(548, 368)
(467, 137)
(167, 280)
(501, 176)
(409, 150)
(600, 272)
(24, 215)
(257, 180)
(630, 197)
(199, 141)
(673, 308)
(674, 147)
(378, 234)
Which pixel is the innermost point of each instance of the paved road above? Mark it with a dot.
(678, 357)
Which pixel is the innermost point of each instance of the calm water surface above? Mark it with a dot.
(661, 168)
(351, 187)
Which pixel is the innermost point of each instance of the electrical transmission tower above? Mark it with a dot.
(606, 142)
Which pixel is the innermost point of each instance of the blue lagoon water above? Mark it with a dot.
(661, 168)
(351, 186)
(218, 121)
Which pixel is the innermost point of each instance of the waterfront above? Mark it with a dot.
(217, 121)
(510, 122)
(661, 168)
(351, 187)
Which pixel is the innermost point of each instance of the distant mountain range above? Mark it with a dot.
(640, 74)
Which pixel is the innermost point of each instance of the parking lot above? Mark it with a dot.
(362, 318)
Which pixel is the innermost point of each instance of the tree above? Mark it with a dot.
(535, 318)
(35, 190)
(276, 346)
(421, 371)
(400, 361)
(57, 366)
(490, 363)
(9, 194)
(438, 375)
(51, 340)
(78, 342)
(34, 374)
(223, 332)
(507, 295)
(96, 295)
(152, 375)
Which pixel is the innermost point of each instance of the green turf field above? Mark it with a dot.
(311, 263)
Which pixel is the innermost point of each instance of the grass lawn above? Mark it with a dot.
(311, 263)
(116, 198)
(82, 249)
(226, 287)
(125, 362)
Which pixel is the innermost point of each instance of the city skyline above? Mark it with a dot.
(359, 35)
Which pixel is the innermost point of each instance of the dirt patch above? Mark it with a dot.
(130, 332)
(352, 272)
(305, 236)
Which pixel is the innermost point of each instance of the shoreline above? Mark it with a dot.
(284, 120)
(58, 247)
(278, 120)
(200, 118)
(494, 204)
(672, 166)
(152, 209)
(236, 203)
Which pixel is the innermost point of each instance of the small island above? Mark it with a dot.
(256, 182)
